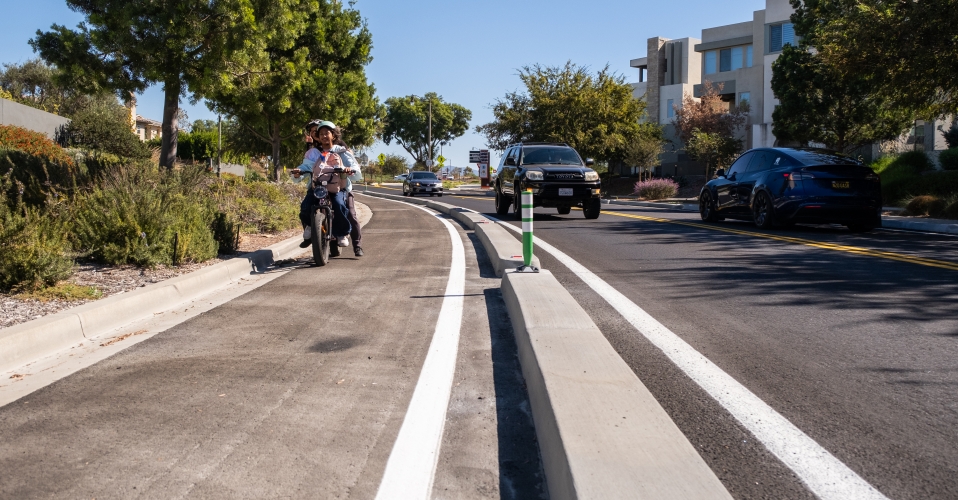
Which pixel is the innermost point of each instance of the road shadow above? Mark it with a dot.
(335, 344)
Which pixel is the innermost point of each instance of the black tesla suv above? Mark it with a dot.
(556, 174)
(782, 186)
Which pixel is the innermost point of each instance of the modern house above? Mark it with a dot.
(739, 58)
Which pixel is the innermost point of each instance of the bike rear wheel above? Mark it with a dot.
(320, 237)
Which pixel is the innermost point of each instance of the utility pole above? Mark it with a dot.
(219, 144)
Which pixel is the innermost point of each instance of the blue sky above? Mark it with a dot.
(468, 51)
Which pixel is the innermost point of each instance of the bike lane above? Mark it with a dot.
(296, 389)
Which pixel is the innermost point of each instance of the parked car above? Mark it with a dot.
(556, 174)
(784, 186)
(422, 182)
(400, 177)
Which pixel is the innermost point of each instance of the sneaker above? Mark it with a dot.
(305, 243)
(343, 241)
(358, 251)
(307, 234)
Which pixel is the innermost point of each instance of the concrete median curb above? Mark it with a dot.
(602, 434)
(26, 342)
(504, 250)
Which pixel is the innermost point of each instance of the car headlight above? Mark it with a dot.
(591, 175)
(417, 184)
(533, 175)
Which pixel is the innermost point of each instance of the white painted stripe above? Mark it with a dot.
(825, 475)
(527, 227)
(411, 467)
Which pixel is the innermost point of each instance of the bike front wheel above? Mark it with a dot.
(320, 237)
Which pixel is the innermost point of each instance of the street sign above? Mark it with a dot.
(363, 159)
(484, 170)
(430, 163)
(484, 156)
(475, 156)
(441, 159)
(381, 158)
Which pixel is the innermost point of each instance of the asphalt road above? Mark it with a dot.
(297, 389)
(851, 337)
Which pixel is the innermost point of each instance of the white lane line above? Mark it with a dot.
(825, 475)
(411, 467)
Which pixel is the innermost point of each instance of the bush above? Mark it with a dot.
(951, 208)
(34, 250)
(226, 232)
(949, 159)
(104, 126)
(951, 135)
(656, 189)
(258, 206)
(901, 176)
(924, 206)
(33, 143)
(33, 178)
(135, 214)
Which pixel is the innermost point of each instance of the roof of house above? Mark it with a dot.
(146, 121)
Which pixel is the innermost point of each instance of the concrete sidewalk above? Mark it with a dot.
(943, 226)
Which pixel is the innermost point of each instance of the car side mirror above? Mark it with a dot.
(720, 173)
(511, 161)
(589, 162)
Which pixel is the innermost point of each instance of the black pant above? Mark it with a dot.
(356, 234)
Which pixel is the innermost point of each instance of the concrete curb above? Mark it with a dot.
(23, 343)
(505, 251)
(685, 207)
(601, 433)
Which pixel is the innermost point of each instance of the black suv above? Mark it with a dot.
(554, 172)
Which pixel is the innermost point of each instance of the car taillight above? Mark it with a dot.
(798, 176)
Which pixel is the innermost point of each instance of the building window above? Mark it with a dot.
(670, 104)
(725, 60)
(748, 56)
(744, 97)
(780, 35)
(737, 57)
(710, 60)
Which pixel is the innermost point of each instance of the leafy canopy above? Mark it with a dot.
(904, 49)
(407, 123)
(304, 59)
(819, 102)
(594, 113)
(125, 46)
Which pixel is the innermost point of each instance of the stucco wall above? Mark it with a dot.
(13, 113)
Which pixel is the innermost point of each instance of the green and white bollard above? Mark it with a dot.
(527, 233)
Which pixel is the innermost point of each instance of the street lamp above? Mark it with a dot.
(412, 99)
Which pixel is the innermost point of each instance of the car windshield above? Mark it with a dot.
(423, 175)
(550, 156)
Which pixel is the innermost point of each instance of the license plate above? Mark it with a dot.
(841, 184)
(565, 191)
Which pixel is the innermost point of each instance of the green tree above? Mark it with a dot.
(125, 46)
(394, 165)
(904, 49)
(42, 86)
(709, 114)
(305, 60)
(407, 123)
(104, 125)
(643, 151)
(712, 148)
(595, 114)
(822, 103)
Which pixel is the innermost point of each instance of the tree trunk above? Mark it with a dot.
(171, 104)
(277, 141)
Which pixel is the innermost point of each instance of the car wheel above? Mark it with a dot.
(517, 206)
(762, 211)
(592, 208)
(564, 210)
(861, 227)
(439, 195)
(502, 203)
(707, 208)
(405, 192)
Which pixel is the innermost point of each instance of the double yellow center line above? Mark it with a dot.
(943, 264)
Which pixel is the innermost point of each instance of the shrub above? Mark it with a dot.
(33, 143)
(34, 250)
(105, 126)
(258, 206)
(924, 206)
(949, 159)
(951, 208)
(656, 189)
(901, 176)
(951, 135)
(134, 215)
(35, 178)
(226, 232)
